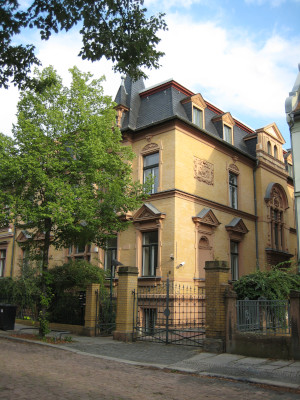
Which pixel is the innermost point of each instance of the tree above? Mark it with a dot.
(118, 30)
(65, 177)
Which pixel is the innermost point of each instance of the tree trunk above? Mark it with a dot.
(45, 298)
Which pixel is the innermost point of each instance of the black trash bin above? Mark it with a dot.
(7, 316)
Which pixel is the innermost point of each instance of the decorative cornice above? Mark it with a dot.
(204, 202)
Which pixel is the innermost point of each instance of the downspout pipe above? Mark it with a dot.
(255, 212)
(13, 252)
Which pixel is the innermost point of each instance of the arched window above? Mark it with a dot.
(269, 148)
(277, 203)
(275, 152)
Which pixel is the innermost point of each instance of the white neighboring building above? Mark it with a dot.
(292, 109)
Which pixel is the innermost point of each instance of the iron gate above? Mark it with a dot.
(170, 313)
(106, 306)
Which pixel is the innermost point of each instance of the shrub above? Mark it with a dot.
(75, 274)
(274, 284)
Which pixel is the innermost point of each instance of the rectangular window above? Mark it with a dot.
(80, 249)
(2, 262)
(151, 165)
(227, 134)
(110, 254)
(79, 252)
(198, 117)
(234, 259)
(233, 190)
(150, 245)
(290, 170)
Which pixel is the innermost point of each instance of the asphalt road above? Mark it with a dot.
(30, 371)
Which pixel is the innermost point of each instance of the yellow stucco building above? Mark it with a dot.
(221, 191)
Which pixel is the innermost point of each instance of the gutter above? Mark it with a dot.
(255, 213)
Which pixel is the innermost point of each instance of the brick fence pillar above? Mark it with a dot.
(295, 323)
(127, 284)
(90, 315)
(216, 283)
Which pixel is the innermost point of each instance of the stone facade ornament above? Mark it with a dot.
(204, 171)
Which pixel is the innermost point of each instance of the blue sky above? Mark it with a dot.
(240, 55)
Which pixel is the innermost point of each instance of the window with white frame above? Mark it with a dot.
(2, 261)
(198, 117)
(234, 260)
(110, 254)
(233, 190)
(149, 254)
(227, 133)
(151, 169)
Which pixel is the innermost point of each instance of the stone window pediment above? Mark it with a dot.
(236, 229)
(206, 217)
(148, 214)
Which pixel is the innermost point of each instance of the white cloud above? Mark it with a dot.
(228, 67)
(272, 3)
(61, 52)
(168, 4)
(238, 72)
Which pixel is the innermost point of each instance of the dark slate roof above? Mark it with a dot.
(147, 107)
(233, 222)
(160, 106)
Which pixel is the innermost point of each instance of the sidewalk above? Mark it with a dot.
(281, 373)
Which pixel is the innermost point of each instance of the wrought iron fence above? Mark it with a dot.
(170, 313)
(264, 316)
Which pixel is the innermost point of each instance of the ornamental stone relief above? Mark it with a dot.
(150, 147)
(276, 198)
(204, 171)
(234, 168)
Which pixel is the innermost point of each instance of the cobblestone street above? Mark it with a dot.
(30, 371)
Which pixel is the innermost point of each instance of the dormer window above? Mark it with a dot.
(227, 133)
(197, 117)
(224, 124)
(195, 107)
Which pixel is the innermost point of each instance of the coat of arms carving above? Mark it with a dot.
(204, 171)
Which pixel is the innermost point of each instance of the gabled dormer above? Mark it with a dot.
(194, 107)
(224, 124)
(270, 141)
